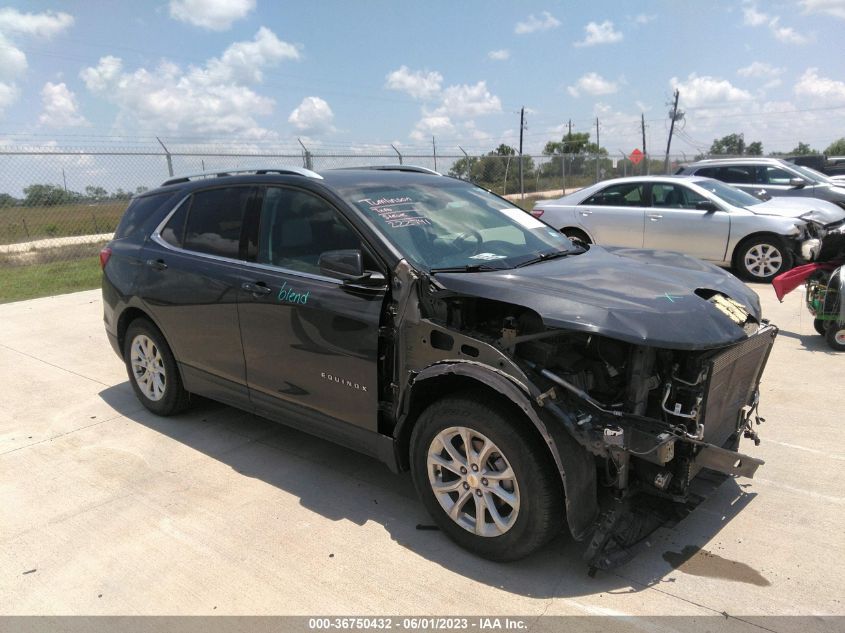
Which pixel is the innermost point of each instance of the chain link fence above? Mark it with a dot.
(58, 207)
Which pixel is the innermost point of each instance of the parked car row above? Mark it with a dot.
(701, 217)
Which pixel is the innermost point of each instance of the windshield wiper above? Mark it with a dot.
(467, 268)
(541, 257)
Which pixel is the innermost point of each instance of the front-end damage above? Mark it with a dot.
(628, 424)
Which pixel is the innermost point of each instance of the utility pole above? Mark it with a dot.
(598, 146)
(434, 151)
(521, 129)
(645, 153)
(671, 130)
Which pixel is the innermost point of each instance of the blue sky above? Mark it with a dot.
(354, 74)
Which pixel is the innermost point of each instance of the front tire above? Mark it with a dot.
(820, 326)
(835, 336)
(485, 478)
(152, 369)
(762, 258)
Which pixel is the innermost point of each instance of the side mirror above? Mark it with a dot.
(706, 205)
(797, 182)
(348, 265)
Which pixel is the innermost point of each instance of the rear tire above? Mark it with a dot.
(762, 258)
(152, 369)
(508, 501)
(835, 336)
(820, 326)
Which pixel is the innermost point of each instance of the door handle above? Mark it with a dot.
(654, 217)
(258, 289)
(586, 213)
(157, 264)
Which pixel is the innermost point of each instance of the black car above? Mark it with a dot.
(529, 382)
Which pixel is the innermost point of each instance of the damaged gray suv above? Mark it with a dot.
(530, 384)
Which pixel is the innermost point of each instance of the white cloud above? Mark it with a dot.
(45, 24)
(212, 99)
(759, 70)
(603, 33)
(465, 101)
(104, 74)
(12, 60)
(811, 84)
(431, 125)
(8, 95)
(499, 55)
(836, 8)
(592, 84)
(643, 18)
(704, 90)
(215, 15)
(312, 116)
(786, 34)
(419, 84)
(243, 61)
(462, 102)
(752, 17)
(60, 107)
(532, 24)
(13, 63)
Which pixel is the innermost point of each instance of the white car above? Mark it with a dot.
(700, 217)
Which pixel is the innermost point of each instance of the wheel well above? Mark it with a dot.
(429, 391)
(126, 317)
(780, 239)
(580, 233)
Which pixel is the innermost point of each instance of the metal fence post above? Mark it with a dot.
(169, 159)
(397, 152)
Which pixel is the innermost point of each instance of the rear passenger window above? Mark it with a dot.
(738, 174)
(139, 210)
(214, 221)
(296, 227)
(625, 195)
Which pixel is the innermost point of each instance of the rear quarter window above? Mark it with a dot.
(139, 211)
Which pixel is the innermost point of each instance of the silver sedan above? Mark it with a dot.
(700, 217)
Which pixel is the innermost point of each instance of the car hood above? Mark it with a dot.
(815, 209)
(634, 295)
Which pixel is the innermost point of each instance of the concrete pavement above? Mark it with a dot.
(108, 509)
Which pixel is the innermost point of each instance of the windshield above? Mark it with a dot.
(734, 196)
(453, 224)
(811, 174)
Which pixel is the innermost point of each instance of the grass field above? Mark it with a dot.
(42, 280)
(23, 224)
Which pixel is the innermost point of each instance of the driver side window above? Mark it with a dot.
(296, 227)
(624, 195)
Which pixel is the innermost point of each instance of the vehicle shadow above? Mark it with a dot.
(340, 484)
(811, 342)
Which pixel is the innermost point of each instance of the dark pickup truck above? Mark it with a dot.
(529, 382)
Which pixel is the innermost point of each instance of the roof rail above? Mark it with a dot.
(297, 171)
(410, 168)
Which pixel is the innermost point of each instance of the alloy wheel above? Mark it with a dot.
(763, 260)
(148, 367)
(473, 481)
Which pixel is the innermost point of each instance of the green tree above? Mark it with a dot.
(96, 193)
(7, 200)
(141, 189)
(45, 195)
(802, 149)
(730, 145)
(837, 148)
(754, 149)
